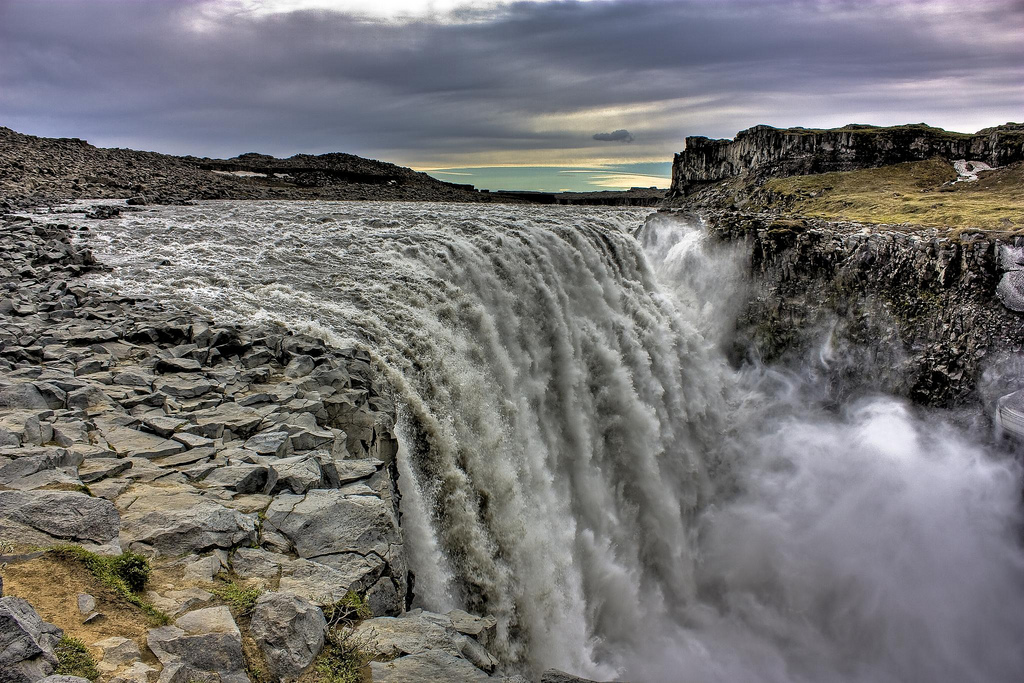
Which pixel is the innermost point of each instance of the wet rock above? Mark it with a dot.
(556, 676)
(26, 642)
(481, 628)
(289, 631)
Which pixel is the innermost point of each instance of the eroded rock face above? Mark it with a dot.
(26, 643)
(911, 314)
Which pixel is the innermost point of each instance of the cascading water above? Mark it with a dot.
(579, 459)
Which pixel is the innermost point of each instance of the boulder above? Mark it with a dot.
(390, 637)
(289, 631)
(274, 443)
(324, 585)
(206, 641)
(178, 520)
(42, 517)
(26, 643)
(426, 666)
(326, 522)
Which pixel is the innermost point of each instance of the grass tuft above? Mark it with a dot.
(125, 574)
(74, 659)
(241, 600)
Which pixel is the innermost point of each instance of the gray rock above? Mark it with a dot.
(164, 425)
(556, 676)
(96, 469)
(426, 666)
(117, 652)
(227, 421)
(26, 643)
(178, 365)
(391, 637)
(298, 474)
(275, 443)
(1011, 290)
(243, 478)
(64, 679)
(22, 396)
(25, 462)
(178, 520)
(135, 444)
(184, 385)
(300, 366)
(481, 628)
(289, 631)
(201, 642)
(324, 585)
(383, 598)
(327, 522)
(41, 517)
(86, 604)
(256, 563)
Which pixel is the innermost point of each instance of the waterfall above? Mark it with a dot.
(580, 460)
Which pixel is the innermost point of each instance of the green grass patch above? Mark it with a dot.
(241, 600)
(339, 662)
(125, 574)
(74, 659)
(915, 193)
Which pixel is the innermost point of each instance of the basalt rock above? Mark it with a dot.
(764, 151)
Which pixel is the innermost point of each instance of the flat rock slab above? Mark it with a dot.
(42, 517)
(177, 521)
(426, 666)
(133, 443)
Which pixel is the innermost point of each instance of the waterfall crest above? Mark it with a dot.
(580, 461)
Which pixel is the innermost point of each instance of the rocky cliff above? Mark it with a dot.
(762, 151)
(921, 314)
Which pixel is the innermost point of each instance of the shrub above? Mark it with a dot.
(74, 659)
(125, 574)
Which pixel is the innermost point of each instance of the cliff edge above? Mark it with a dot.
(763, 152)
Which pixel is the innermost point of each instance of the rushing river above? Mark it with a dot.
(580, 460)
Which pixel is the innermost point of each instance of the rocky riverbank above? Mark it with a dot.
(246, 477)
(917, 313)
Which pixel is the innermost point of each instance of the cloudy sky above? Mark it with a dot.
(608, 87)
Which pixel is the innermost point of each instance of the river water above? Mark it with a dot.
(579, 459)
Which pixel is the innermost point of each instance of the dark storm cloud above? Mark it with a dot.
(620, 135)
(527, 79)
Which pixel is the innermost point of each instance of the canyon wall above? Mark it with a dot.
(763, 151)
(875, 308)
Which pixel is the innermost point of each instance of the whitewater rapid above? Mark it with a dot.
(579, 459)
